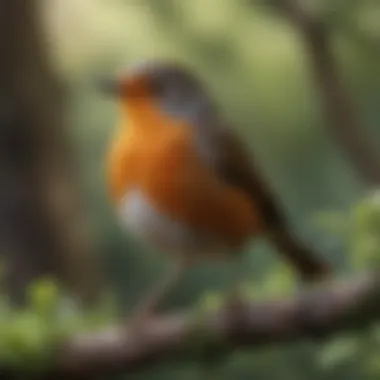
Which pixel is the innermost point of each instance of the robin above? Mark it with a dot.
(182, 181)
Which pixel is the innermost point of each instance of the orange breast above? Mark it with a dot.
(158, 156)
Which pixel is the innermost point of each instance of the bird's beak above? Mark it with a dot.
(110, 86)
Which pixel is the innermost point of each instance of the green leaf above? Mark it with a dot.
(338, 352)
(27, 341)
(373, 364)
(44, 296)
(210, 301)
(365, 252)
(280, 281)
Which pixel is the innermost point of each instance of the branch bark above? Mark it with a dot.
(341, 115)
(314, 314)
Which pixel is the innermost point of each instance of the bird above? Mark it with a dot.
(182, 181)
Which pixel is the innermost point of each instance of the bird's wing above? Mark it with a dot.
(228, 157)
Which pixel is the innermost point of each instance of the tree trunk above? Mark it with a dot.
(42, 230)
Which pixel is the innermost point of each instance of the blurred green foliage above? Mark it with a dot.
(255, 66)
(30, 335)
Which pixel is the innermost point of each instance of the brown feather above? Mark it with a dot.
(234, 165)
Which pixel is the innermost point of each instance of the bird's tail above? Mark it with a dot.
(303, 258)
(308, 264)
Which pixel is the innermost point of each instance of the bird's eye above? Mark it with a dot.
(158, 87)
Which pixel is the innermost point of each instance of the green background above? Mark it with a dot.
(254, 63)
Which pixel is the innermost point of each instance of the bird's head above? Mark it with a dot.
(169, 86)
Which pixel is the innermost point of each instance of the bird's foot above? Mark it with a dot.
(143, 313)
(146, 310)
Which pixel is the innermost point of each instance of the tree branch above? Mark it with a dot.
(315, 314)
(341, 114)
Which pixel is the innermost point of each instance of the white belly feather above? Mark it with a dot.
(142, 219)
